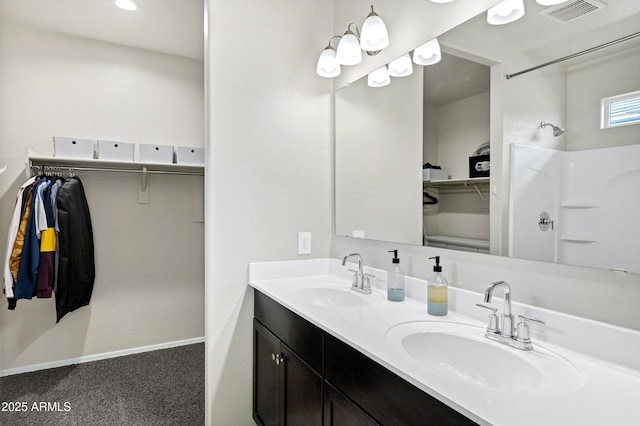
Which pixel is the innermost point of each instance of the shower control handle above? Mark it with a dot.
(545, 221)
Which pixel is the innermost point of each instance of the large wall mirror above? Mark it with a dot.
(565, 192)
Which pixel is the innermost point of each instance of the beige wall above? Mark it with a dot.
(149, 262)
(270, 167)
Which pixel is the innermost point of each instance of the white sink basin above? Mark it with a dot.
(461, 352)
(332, 295)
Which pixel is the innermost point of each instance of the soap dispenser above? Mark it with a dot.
(437, 291)
(395, 280)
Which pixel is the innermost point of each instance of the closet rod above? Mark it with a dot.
(42, 167)
(575, 55)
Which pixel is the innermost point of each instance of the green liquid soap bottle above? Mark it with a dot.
(437, 291)
(395, 280)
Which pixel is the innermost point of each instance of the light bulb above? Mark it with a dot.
(428, 54)
(374, 35)
(505, 12)
(379, 77)
(349, 52)
(401, 67)
(328, 65)
(127, 5)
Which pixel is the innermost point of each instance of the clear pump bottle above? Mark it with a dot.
(395, 280)
(437, 291)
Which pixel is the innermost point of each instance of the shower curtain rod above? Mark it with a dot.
(575, 55)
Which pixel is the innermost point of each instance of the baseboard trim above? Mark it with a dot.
(97, 357)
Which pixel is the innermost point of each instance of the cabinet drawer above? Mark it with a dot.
(304, 338)
(387, 397)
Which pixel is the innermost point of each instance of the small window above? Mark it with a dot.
(621, 110)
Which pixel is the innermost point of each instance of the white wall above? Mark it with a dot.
(378, 159)
(587, 84)
(149, 263)
(270, 167)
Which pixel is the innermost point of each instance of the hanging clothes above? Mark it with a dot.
(50, 245)
(25, 285)
(14, 226)
(76, 266)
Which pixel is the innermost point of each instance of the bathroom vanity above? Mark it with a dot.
(295, 363)
(326, 355)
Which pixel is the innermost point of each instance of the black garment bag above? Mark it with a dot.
(76, 266)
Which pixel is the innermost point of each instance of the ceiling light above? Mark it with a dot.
(127, 5)
(401, 67)
(428, 54)
(505, 12)
(379, 77)
(328, 65)
(348, 52)
(374, 36)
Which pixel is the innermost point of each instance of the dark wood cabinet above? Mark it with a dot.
(267, 379)
(304, 376)
(385, 396)
(287, 388)
(340, 411)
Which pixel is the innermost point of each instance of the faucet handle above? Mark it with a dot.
(522, 331)
(525, 318)
(493, 318)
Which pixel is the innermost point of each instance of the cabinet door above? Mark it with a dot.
(339, 411)
(302, 391)
(267, 378)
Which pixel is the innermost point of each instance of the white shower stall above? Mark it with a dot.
(593, 217)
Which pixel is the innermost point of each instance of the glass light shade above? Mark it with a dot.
(349, 52)
(401, 67)
(374, 35)
(126, 5)
(428, 54)
(549, 2)
(505, 12)
(328, 65)
(379, 77)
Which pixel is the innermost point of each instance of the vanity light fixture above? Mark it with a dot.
(428, 54)
(348, 52)
(401, 67)
(328, 65)
(375, 36)
(379, 77)
(127, 5)
(505, 12)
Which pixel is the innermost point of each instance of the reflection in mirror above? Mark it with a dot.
(580, 186)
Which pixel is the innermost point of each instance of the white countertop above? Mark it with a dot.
(604, 358)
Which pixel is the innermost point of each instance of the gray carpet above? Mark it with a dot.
(164, 387)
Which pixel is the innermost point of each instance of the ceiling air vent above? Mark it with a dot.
(573, 10)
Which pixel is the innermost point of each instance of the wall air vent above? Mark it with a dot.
(573, 10)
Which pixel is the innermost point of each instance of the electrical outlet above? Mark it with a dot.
(304, 242)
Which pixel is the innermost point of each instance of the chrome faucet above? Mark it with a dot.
(504, 333)
(506, 318)
(361, 281)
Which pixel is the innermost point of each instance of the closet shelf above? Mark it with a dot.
(38, 164)
(456, 182)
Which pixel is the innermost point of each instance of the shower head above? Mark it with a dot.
(557, 131)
